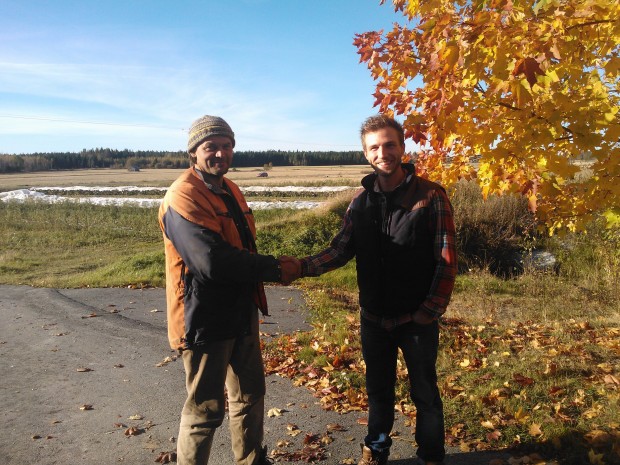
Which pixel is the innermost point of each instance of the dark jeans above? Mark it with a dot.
(419, 345)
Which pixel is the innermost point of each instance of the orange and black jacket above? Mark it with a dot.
(214, 277)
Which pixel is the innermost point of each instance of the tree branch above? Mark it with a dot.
(510, 107)
(591, 23)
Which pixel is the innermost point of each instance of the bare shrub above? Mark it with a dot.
(491, 233)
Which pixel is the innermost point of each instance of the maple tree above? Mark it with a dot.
(511, 93)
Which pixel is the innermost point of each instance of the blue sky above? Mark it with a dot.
(81, 74)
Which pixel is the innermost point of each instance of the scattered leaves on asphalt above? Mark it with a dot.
(313, 450)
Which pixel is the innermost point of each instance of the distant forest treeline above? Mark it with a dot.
(108, 158)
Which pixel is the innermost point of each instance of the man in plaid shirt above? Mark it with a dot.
(400, 229)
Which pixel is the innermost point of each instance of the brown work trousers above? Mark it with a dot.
(236, 364)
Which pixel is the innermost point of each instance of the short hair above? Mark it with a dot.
(374, 123)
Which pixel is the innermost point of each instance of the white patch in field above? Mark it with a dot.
(23, 195)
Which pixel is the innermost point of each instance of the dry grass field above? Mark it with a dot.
(278, 176)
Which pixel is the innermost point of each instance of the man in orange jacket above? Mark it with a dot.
(214, 286)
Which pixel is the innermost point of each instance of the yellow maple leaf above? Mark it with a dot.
(487, 424)
(535, 430)
(595, 459)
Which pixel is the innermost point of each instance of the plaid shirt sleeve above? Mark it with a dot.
(444, 247)
(337, 254)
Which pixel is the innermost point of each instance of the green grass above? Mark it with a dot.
(76, 245)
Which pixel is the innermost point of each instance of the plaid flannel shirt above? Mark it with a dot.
(341, 250)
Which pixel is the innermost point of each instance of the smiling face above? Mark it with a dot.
(214, 155)
(384, 151)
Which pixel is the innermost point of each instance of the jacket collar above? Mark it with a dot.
(210, 181)
(370, 183)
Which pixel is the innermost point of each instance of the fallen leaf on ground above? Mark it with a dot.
(275, 412)
(535, 430)
(133, 431)
(166, 361)
(166, 457)
(494, 436)
(84, 370)
(522, 380)
(86, 407)
(293, 430)
(335, 427)
(487, 424)
(595, 459)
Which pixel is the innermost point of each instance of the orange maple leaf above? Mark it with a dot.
(529, 67)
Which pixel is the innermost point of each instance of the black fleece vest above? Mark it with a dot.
(394, 247)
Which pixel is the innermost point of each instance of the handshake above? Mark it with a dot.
(291, 269)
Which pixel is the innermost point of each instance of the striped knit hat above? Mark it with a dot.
(208, 126)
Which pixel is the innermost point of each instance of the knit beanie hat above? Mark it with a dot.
(208, 126)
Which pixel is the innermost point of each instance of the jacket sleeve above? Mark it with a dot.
(337, 254)
(209, 257)
(444, 249)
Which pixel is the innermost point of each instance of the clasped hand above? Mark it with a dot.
(291, 269)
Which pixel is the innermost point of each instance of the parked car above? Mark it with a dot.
(262, 174)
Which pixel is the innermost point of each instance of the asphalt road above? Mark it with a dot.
(87, 378)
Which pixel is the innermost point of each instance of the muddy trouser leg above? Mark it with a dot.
(245, 383)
